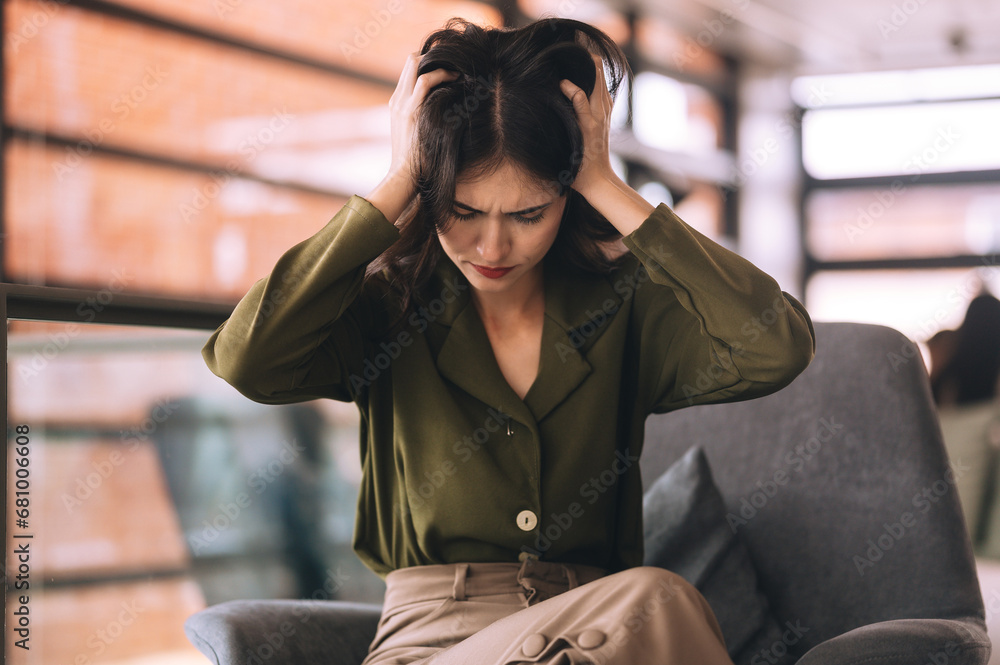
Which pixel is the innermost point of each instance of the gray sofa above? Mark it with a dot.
(845, 501)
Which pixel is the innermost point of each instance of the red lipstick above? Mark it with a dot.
(492, 273)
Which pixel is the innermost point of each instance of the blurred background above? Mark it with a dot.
(159, 155)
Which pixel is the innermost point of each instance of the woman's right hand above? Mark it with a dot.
(398, 187)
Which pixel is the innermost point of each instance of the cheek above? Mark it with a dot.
(453, 241)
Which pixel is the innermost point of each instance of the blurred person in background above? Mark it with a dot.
(965, 382)
(970, 367)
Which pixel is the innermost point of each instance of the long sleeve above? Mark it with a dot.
(726, 332)
(303, 331)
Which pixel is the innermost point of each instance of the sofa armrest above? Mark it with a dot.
(284, 632)
(906, 642)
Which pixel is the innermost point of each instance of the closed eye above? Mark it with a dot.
(463, 216)
(527, 220)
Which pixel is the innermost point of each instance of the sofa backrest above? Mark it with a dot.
(840, 486)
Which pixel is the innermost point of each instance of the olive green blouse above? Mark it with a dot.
(455, 466)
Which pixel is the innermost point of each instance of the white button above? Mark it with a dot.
(526, 520)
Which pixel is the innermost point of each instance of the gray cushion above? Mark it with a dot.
(284, 632)
(905, 642)
(685, 530)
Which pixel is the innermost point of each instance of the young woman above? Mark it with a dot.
(505, 312)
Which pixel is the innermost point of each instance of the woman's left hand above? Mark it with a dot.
(594, 118)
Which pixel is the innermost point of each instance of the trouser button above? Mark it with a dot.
(534, 645)
(590, 639)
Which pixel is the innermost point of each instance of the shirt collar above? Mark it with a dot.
(578, 307)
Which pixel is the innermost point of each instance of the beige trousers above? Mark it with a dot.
(541, 612)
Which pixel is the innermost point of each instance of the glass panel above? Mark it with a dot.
(913, 85)
(916, 302)
(676, 116)
(153, 489)
(373, 37)
(904, 221)
(905, 140)
(115, 223)
(107, 82)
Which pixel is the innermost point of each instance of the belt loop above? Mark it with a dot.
(571, 574)
(461, 570)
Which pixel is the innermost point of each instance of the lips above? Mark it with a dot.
(492, 273)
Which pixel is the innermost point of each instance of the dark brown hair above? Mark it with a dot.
(973, 369)
(505, 105)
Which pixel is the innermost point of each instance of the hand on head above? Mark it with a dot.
(411, 90)
(594, 118)
(393, 194)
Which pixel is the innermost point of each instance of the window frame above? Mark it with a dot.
(811, 265)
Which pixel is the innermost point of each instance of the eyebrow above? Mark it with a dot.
(526, 211)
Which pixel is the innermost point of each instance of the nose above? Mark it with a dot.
(494, 241)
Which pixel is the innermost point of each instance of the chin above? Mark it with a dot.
(481, 283)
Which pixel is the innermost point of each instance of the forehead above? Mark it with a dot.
(507, 185)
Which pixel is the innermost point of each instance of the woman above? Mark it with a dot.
(504, 350)
(968, 371)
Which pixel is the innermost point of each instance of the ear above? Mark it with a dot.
(571, 61)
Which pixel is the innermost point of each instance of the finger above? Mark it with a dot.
(426, 82)
(602, 100)
(577, 96)
(407, 77)
(571, 89)
(599, 65)
(435, 77)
